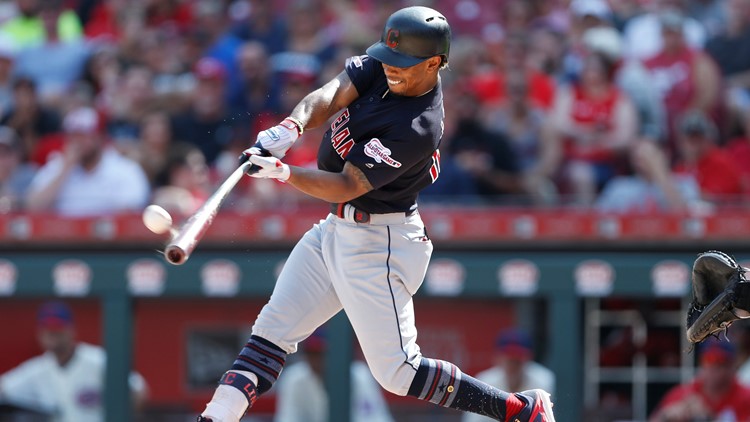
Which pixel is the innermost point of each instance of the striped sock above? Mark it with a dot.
(264, 359)
(444, 384)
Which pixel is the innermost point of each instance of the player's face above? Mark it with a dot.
(415, 80)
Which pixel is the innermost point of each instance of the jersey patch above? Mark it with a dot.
(380, 153)
(357, 61)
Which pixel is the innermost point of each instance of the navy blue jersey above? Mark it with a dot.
(393, 139)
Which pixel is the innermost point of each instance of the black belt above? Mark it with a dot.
(360, 216)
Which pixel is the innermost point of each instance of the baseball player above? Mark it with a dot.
(370, 254)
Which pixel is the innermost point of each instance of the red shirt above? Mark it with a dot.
(739, 150)
(592, 112)
(490, 88)
(674, 77)
(735, 401)
(717, 173)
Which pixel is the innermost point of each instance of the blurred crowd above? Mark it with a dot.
(616, 105)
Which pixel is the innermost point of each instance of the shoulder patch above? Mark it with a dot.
(357, 61)
(380, 153)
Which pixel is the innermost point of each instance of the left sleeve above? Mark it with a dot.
(384, 159)
(18, 387)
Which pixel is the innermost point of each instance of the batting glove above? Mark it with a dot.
(269, 168)
(278, 139)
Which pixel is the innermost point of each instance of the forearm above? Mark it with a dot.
(328, 186)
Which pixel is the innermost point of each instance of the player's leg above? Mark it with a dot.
(302, 300)
(380, 308)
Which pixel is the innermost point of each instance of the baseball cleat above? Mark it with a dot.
(538, 407)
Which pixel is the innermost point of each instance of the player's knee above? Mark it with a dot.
(262, 358)
(393, 380)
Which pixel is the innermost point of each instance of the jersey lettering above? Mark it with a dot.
(435, 167)
(340, 121)
(338, 139)
(341, 139)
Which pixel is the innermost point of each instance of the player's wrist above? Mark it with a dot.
(293, 124)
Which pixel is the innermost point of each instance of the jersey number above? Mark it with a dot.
(435, 167)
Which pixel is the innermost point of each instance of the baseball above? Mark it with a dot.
(157, 219)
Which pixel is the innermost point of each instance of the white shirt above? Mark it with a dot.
(116, 184)
(534, 376)
(743, 373)
(643, 39)
(301, 396)
(71, 393)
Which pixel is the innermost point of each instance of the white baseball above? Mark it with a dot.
(157, 219)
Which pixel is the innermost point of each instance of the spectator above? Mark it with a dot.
(714, 394)
(262, 25)
(591, 127)
(585, 15)
(151, 148)
(8, 53)
(15, 174)
(686, 78)
(308, 33)
(739, 147)
(740, 336)
(257, 92)
(514, 369)
(716, 171)
(302, 397)
(36, 123)
(520, 122)
(643, 34)
(207, 123)
(57, 59)
(487, 157)
(89, 177)
(490, 87)
(133, 96)
(730, 48)
(41, 20)
(632, 77)
(183, 184)
(172, 15)
(701, 163)
(67, 380)
(211, 22)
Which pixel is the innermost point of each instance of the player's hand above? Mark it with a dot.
(278, 139)
(245, 156)
(269, 168)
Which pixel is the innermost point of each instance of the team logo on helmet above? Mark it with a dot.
(391, 38)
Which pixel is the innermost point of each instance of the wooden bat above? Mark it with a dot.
(185, 239)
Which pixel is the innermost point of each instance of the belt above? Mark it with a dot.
(355, 215)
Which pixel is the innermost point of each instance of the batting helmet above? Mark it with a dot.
(411, 36)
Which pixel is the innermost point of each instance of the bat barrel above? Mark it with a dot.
(179, 249)
(175, 255)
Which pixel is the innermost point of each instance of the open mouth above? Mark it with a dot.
(393, 82)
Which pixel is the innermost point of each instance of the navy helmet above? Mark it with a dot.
(411, 36)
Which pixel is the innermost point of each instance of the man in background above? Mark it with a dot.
(302, 397)
(67, 380)
(514, 368)
(715, 394)
(89, 177)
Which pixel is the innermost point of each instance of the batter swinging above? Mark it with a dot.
(369, 256)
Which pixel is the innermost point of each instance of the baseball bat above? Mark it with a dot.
(178, 250)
